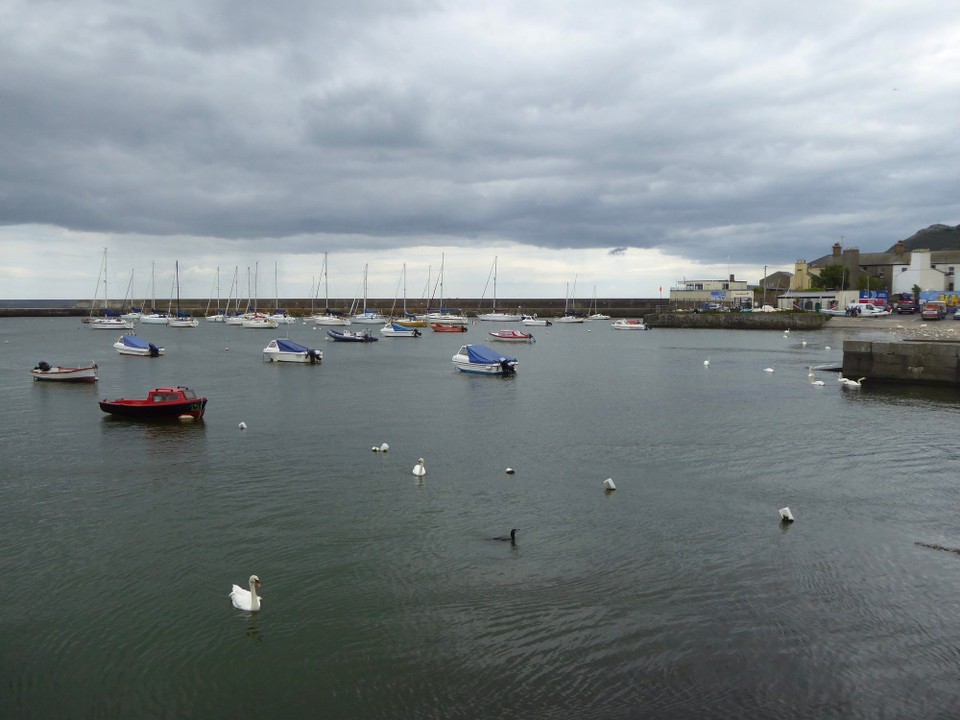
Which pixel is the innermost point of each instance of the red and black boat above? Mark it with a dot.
(163, 403)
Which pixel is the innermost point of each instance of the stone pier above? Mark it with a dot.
(916, 362)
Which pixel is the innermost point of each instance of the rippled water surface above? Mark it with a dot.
(678, 595)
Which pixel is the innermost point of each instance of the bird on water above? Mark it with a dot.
(511, 538)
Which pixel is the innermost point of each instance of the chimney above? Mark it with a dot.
(731, 278)
(837, 252)
(900, 248)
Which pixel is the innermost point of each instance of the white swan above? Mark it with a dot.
(771, 369)
(246, 599)
(847, 382)
(810, 371)
(419, 469)
(816, 383)
(706, 363)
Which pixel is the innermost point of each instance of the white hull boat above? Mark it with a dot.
(55, 373)
(534, 321)
(154, 319)
(481, 360)
(110, 324)
(259, 322)
(135, 345)
(285, 350)
(396, 330)
(183, 322)
(629, 325)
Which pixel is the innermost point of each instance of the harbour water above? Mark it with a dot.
(677, 595)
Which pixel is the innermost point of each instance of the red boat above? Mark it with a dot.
(163, 403)
(512, 336)
(440, 327)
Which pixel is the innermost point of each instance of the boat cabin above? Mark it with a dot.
(177, 394)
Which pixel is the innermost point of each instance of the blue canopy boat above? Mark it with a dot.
(286, 350)
(136, 345)
(482, 360)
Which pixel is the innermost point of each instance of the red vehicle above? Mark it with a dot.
(163, 403)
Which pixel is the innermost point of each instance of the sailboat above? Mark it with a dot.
(154, 317)
(443, 315)
(368, 317)
(134, 313)
(593, 306)
(181, 319)
(256, 320)
(495, 315)
(219, 313)
(110, 320)
(569, 316)
(279, 315)
(327, 317)
(233, 318)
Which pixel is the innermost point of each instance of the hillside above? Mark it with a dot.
(935, 237)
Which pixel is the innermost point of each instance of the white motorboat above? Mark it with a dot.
(45, 371)
(136, 345)
(534, 321)
(512, 336)
(396, 330)
(597, 316)
(625, 324)
(286, 350)
(482, 360)
(567, 319)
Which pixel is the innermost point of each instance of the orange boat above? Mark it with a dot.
(440, 327)
(160, 404)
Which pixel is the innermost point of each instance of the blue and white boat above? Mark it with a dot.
(286, 350)
(397, 330)
(482, 360)
(136, 345)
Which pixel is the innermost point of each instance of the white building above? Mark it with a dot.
(922, 272)
(725, 292)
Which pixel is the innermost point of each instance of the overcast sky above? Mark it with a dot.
(619, 145)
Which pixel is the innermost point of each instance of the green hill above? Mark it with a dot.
(935, 237)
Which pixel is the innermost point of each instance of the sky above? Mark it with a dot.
(591, 147)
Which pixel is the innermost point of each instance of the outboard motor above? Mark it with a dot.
(505, 366)
(43, 365)
(154, 350)
(416, 333)
(315, 356)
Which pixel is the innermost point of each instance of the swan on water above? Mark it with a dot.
(246, 599)
(419, 469)
(785, 515)
(706, 363)
(816, 383)
(511, 538)
(847, 382)
(243, 426)
(771, 369)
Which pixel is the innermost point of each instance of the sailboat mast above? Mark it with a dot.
(326, 285)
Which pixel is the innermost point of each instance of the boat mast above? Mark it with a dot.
(326, 286)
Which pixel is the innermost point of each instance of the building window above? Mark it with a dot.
(880, 273)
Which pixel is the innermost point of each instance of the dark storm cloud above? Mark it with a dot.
(757, 132)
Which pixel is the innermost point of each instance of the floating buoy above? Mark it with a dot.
(510, 471)
(608, 484)
(804, 343)
(706, 363)
(384, 447)
(419, 470)
(785, 515)
(185, 418)
(243, 426)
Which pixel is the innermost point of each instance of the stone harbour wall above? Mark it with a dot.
(914, 362)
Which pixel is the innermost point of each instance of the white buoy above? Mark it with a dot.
(419, 470)
(384, 447)
(827, 347)
(374, 449)
(243, 426)
(510, 471)
(608, 484)
(706, 363)
(785, 515)
(804, 343)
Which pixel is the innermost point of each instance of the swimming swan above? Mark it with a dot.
(418, 469)
(246, 599)
(771, 369)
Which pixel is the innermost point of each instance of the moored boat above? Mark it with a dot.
(534, 321)
(481, 360)
(351, 336)
(136, 345)
(163, 403)
(625, 324)
(397, 330)
(286, 350)
(45, 371)
(443, 327)
(512, 336)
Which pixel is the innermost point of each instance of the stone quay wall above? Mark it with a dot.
(738, 320)
(913, 362)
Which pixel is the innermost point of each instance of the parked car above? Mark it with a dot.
(931, 312)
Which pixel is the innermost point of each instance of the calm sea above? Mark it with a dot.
(678, 595)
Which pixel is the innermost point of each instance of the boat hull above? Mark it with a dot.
(629, 325)
(481, 360)
(348, 336)
(86, 374)
(160, 404)
(282, 350)
(440, 327)
(512, 336)
(498, 317)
